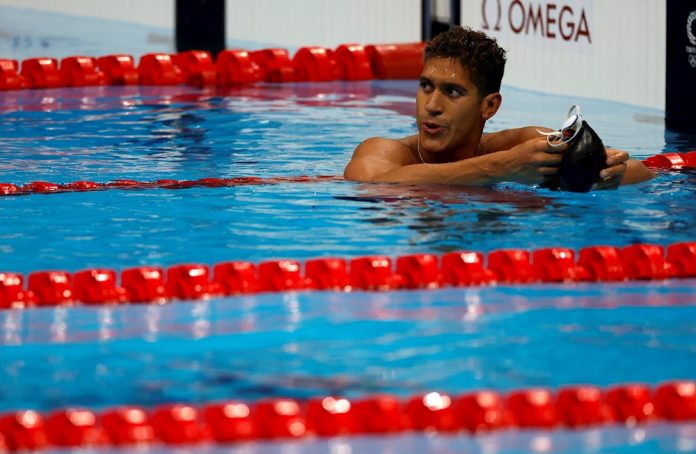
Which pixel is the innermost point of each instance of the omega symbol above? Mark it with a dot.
(499, 10)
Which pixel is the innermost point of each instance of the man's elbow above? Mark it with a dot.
(637, 172)
(356, 172)
(350, 175)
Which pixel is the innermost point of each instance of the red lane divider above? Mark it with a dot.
(666, 161)
(197, 68)
(9, 77)
(44, 187)
(662, 162)
(147, 284)
(285, 418)
(118, 70)
(396, 61)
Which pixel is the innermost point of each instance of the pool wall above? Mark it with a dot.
(610, 50)
(38, 28)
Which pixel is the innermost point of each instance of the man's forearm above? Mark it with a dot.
(504, 140)
(478, 171)
(636, 172)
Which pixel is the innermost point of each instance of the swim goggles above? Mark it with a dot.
(569, 130)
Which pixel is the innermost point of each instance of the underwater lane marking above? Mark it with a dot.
(44, 187)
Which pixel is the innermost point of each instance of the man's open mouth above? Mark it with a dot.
(432, 128)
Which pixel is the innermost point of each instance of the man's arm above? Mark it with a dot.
(637, 172)
(520, 155)
(508, 138)
(386, 160)
(620, 169)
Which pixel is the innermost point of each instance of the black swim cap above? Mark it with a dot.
(582, 161)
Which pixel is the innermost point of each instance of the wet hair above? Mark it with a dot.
(477, 52)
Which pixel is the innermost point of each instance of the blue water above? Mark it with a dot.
(108, 133)
(349, 344)
(308, 344)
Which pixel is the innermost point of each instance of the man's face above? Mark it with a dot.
(449, 109)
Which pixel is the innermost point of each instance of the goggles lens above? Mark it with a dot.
(571, 127)
(568, 131)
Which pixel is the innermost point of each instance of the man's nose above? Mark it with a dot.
(434, 103)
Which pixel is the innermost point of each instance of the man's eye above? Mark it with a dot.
(426, 86)
(454, 92)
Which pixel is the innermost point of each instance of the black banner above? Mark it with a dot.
(680, 96)
(200, 25)
(432, 26)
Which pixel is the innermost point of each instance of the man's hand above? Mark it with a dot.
(617, 163)
(531, 162)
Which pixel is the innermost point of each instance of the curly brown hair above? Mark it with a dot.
(477, 52)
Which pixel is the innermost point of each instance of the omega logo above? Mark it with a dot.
(549, 20)
(485, 25)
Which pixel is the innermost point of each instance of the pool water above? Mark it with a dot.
(317, 343)
(146, 133)
(320, 343)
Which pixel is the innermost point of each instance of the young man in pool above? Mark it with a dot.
(459, 90)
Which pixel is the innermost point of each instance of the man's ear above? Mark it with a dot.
(490, 105)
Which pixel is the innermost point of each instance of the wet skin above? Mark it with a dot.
(450, 147)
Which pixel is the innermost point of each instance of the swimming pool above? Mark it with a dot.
(308, 344)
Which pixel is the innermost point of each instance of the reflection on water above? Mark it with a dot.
(448, 218)
(663, 438)
(679, 141)
(120, 228)
(444, 218)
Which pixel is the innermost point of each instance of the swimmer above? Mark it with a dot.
(459, 90)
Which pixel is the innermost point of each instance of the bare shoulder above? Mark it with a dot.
(379, 155)
(383, 147)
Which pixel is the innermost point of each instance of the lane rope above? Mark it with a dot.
(155, 285)
(230, 67)
(234, 421)
(666, 161)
